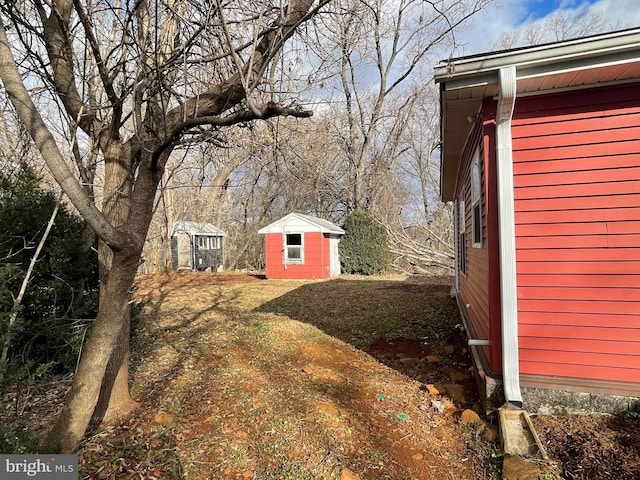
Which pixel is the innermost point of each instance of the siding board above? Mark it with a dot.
(591, 203)
(578, 320)
(576, 358)
(562, 165)
(587, 215)
(567, 280)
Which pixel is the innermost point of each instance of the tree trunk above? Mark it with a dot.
(107, 329)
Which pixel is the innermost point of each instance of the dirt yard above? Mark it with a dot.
(243, 378)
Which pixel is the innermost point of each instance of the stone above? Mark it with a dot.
(457, 375)
(517, 468)
(433, 359)
(441, 388)
(409, 361)
(433, 390)
(449, 349)
(308, 370)
(348, 475)
(491, 434)
(456, 393)
(469, 417)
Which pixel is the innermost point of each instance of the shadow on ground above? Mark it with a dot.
(412, 326)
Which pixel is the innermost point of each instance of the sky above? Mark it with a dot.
(510, 15)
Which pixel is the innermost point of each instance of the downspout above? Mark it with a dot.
(506, 218)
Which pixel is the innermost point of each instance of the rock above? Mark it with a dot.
(491, 434)
(409, 361)
(456, 393)
(457, 375)
(517, 468)
(449, 349)
(165, 419)
(433, 390)
(469, 417)
(441, 388)
(348, 475)
(247, 474)
(433, 359)
(308, 370)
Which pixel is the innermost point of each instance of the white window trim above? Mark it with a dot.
(462, 230)
(286, 248)
(476, 200)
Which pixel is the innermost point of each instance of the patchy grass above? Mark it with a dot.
(246, 378)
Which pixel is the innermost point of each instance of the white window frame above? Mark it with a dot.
(462, 237)
(476, 201)
(287, 246)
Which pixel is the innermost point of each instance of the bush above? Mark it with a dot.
(364, 249)
(62, 292)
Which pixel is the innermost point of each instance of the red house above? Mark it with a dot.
(302, 247)
(541, 157)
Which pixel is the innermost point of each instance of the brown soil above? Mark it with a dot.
(243, 378)
(237, 379)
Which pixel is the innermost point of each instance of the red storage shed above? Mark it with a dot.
(541, 156)
(300, 246)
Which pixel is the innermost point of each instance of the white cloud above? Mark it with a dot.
(507, 16)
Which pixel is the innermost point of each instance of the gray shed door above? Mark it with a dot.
(184, 250)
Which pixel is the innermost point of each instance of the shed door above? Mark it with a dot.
(184, 250)
(335, 256)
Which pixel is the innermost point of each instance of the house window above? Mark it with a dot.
(476, 201)
(462, 237)
(293, 248)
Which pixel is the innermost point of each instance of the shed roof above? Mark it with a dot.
(605, 59)
(196, 228)
(315, 224)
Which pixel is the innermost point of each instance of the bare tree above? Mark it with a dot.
(131, 81)
(560, 25)
(379, 49)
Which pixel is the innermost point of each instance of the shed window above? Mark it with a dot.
(476, 201)
(293, 248)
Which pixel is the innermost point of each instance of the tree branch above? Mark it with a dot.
(46, 144)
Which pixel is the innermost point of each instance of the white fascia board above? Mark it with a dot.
(589, 52)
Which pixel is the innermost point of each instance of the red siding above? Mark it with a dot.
(316, 258)
(577, 178)
(476, 290)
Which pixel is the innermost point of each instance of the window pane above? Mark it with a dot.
(294, 239)
(294, 253)
(477, 224)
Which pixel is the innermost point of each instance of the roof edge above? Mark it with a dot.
(550, 53)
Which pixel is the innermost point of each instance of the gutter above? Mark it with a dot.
(617, 47)
(506, 219)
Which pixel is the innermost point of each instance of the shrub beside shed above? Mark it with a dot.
(301, 246)
(196, 246)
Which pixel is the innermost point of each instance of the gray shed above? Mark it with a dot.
(196, 246)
